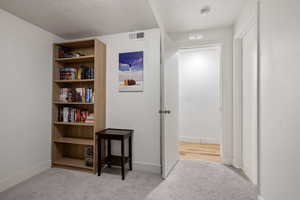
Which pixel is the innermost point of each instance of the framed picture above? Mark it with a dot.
(131, 69)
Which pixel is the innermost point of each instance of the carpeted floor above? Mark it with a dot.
(190, 180)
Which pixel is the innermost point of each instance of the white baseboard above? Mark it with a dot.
(147, 167)
(259, 197)
(167, 173)
(199, 140)
(23, 175)
(237, 164)
(227, 161)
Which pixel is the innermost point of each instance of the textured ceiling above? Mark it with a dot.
(83, 18)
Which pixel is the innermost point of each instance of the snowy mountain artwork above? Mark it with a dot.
(131, 69)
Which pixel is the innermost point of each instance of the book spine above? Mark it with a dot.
(79, 73)
(93, 96)
(87, 95)
(83, 95)
(65, 114)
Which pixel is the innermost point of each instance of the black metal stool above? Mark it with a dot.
(113, 160)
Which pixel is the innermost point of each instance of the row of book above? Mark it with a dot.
(71, 114)
(70, 73)
(80, 95)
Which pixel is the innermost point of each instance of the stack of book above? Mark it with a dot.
(70, 114)
(80, 95)
(88, 155)
(70, 73)
(90, 118)
(64, 52)
(67, 73)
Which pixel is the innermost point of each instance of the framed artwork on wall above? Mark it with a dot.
(131, 71)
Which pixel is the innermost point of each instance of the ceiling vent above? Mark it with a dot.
(136, 36)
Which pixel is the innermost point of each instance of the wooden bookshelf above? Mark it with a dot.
(70, 138)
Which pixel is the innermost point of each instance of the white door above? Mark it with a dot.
(249, 105)
(170, 117)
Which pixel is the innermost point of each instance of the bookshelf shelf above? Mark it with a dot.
(69, 140)
(74, 81)
(74, 123)
(72, 103)
(74, 143)
(76, 60)
(71, 162)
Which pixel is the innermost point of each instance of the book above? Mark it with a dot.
(87, 95)
(63, 94)
(79, 73)
(79, 94)
(65, 114)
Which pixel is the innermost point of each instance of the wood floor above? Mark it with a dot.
(197, 151)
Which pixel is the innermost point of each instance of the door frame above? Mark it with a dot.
(238, 92)
(220, 91)
(211, 44)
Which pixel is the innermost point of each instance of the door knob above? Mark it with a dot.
(164, 111)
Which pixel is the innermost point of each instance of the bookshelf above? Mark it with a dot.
(78, 96)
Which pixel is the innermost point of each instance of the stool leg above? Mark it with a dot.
(130, 153)
(109, 153)
(99, 156)
(122, 159)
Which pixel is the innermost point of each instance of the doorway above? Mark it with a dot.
(199, 113)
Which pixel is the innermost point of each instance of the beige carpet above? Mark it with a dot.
(190, 180)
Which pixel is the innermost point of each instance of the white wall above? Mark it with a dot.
(223, 36)
(199, 111)
(136, 110)
(280, 94)
(25, 84)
